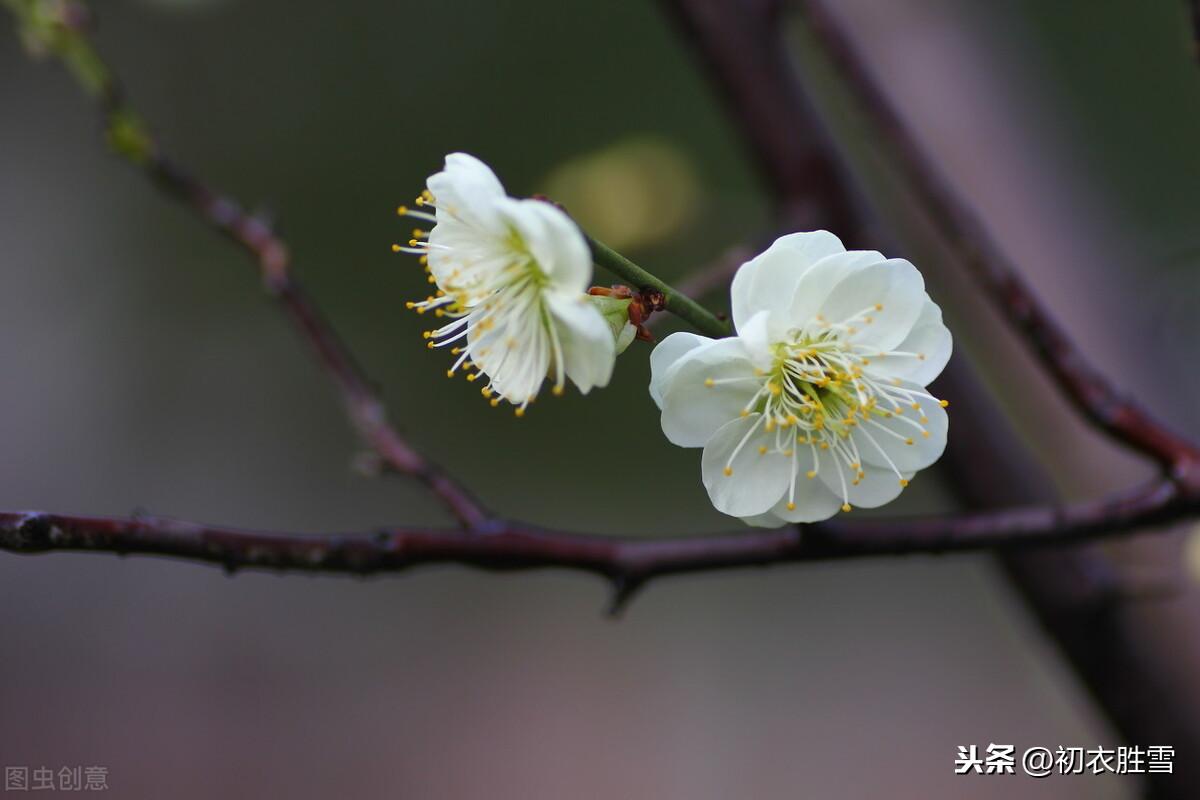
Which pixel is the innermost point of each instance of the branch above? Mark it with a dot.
(59, 28)
(626, 561)
(1116, 415)
(675, 301)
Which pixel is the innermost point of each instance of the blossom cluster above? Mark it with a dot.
(818, 401)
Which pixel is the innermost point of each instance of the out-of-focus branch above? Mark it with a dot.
(1097, 400)
(59, 27)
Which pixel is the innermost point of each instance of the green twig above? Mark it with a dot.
(674, 301)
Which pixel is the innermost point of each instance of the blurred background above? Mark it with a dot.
(145, 369)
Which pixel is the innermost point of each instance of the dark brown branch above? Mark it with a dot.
(625, 561)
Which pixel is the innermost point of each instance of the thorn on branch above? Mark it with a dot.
(624, 588)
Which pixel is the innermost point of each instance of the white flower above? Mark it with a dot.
(818, 403)
(511, 275)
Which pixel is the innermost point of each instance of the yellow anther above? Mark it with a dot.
(879, 306)
(431, 279)
(770, 426)
(791, 506)
(854, 482)
(824, 445)
(845, 506)
(520, 412)
(449, 373)
(558, 390)
(495, 401)
(485, 391)
(413, 243)
(410, 305)
(417, 233)
(743, 413)
(924, 419)
(396, 248)
(924, 434)
(855, 466)
(430, 345)
(812, 473)
(921, 356)
(852, 330)
(788, 453)
(916, 406)
(709, 382)
(774, 388)
(762, 450)
(943, 403)
(908, 441)
(402, 210)
(903, 482)
(728, 471)
(472, 376)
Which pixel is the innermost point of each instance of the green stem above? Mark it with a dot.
(676, 302)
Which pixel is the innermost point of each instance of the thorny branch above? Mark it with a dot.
(493, 543)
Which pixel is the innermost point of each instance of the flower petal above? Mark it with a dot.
(812, 499)
(768, 281)
(892, 435)
(693, 410)
(817, 284)
(465, 192)
(891, 293)
(877, 486)
(666, 356)
(552, 239)
(754, 482)
(588, 348)
(929, 339)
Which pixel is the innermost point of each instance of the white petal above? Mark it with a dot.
(820, 281)
(756, 481)
(465, 191)
(589, 351)
(515, 359)
(692, 411)
(768, 281)
(930, 338)
(758, 336)
(553, 240)
(878, 486)
(905, 426)
(666, 357)
(812, 498)
(896, 285)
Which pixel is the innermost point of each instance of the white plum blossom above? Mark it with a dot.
(511, 277)
(819, 401)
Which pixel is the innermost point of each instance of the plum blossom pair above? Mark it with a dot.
(818, 402)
